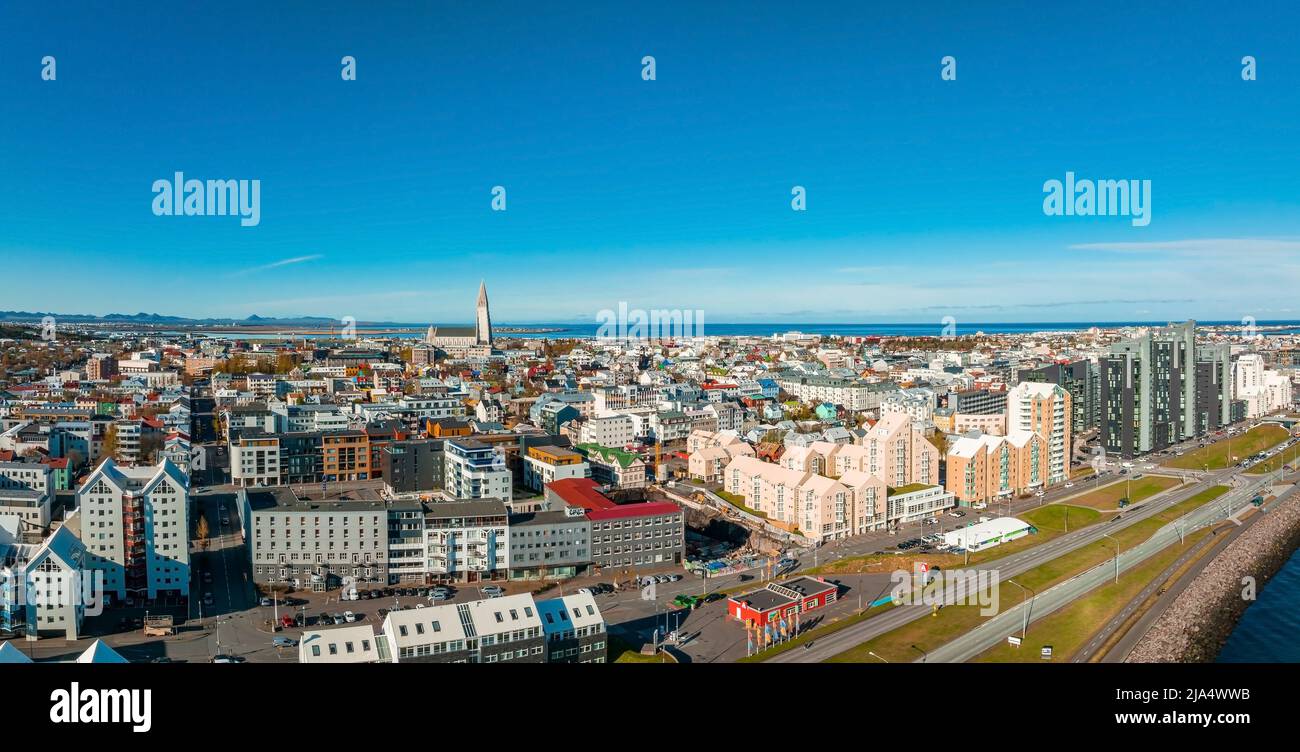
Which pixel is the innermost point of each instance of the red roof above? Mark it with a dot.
(6, 455)
(57, 463)
(635, 510)
(581, 492)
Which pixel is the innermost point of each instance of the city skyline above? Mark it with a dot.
(924, 196)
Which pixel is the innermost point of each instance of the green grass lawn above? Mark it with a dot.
(1068, 629)
(1107, 497)
(1289, 457)
(1216, 455)
(739, 503)
(952, 621)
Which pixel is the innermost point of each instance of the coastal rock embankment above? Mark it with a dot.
(1198, 622)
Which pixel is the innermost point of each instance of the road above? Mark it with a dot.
(831, 645)
(1009, 621)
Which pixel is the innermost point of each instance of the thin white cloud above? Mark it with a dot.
(1197, 246)
(278, 264)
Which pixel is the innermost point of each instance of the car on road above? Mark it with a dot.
(494, 591)
(1069, 485)
(286, 620)
(284, 642)
(437, 596)
(208, 600)
(207, 577)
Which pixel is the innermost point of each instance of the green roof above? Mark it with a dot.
(609, 454)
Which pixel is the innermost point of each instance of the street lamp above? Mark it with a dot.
(1024, 628)
(1107, 535)
(924, 655)
(873, 655)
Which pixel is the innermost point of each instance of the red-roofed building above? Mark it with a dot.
(625, 536)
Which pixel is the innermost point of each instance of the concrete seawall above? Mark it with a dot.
(1195, 626)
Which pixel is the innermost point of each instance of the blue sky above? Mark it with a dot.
(924, 196)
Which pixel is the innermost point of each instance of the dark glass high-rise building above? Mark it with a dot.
(1161, 388)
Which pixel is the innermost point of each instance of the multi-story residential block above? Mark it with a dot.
(625, 536)
(575, 629)
(552, 542)
(100, 367)
(1082, 379)
(978, 401)
(466, 541)
(474, 470)
(1160, 388)
(990, 468)
(1264, 391)
(314, 543)
(613, 467)
(26, 496)
(345, 456)
(898, 453)
(1044, 409)
(852, 394)
(135, 524)
(43, 586)
(611, 430)
(544, 464)
(255, 460)
(413, 466)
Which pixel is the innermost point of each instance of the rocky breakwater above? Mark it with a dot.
(1198, 622)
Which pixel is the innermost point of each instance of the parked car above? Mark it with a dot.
(494, 591)
(265, 602)
(324, 619)
(284, 642)
(349, 617)
(338, 618)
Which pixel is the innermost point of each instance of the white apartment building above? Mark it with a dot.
(255, 461)
(1044, 408)
(1264, 391)
(26, 495)
(852, 394)
(474, 470)
(135, 524)
(467, 541)
(610, 430)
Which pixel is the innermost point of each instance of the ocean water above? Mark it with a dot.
(1269, 631)
(587, 330)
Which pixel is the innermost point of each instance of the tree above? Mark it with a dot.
(201, 530)
(110, 442)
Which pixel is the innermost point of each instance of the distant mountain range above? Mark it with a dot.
(159, 319)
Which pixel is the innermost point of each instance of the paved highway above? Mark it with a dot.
(996, 630)
(1008, 567)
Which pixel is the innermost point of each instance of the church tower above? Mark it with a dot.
(483, 323)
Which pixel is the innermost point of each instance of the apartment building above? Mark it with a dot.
(475, 470)
(615, 468)
(1160, 387)
(26, 496)
(413, 466)
(991, 468)
(898, 452)
(314, 543)
(466, 541)
(1082, 379)
(978, 401)
(43, 586)
(816, 506)
(255, 460)
(852, 394)
(135, 524)
(625, 536)
(1044, 409)
(1264, 391)
(345, 456)
(575, 629)
(611, 430)
(553, 542)
(545, 464)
